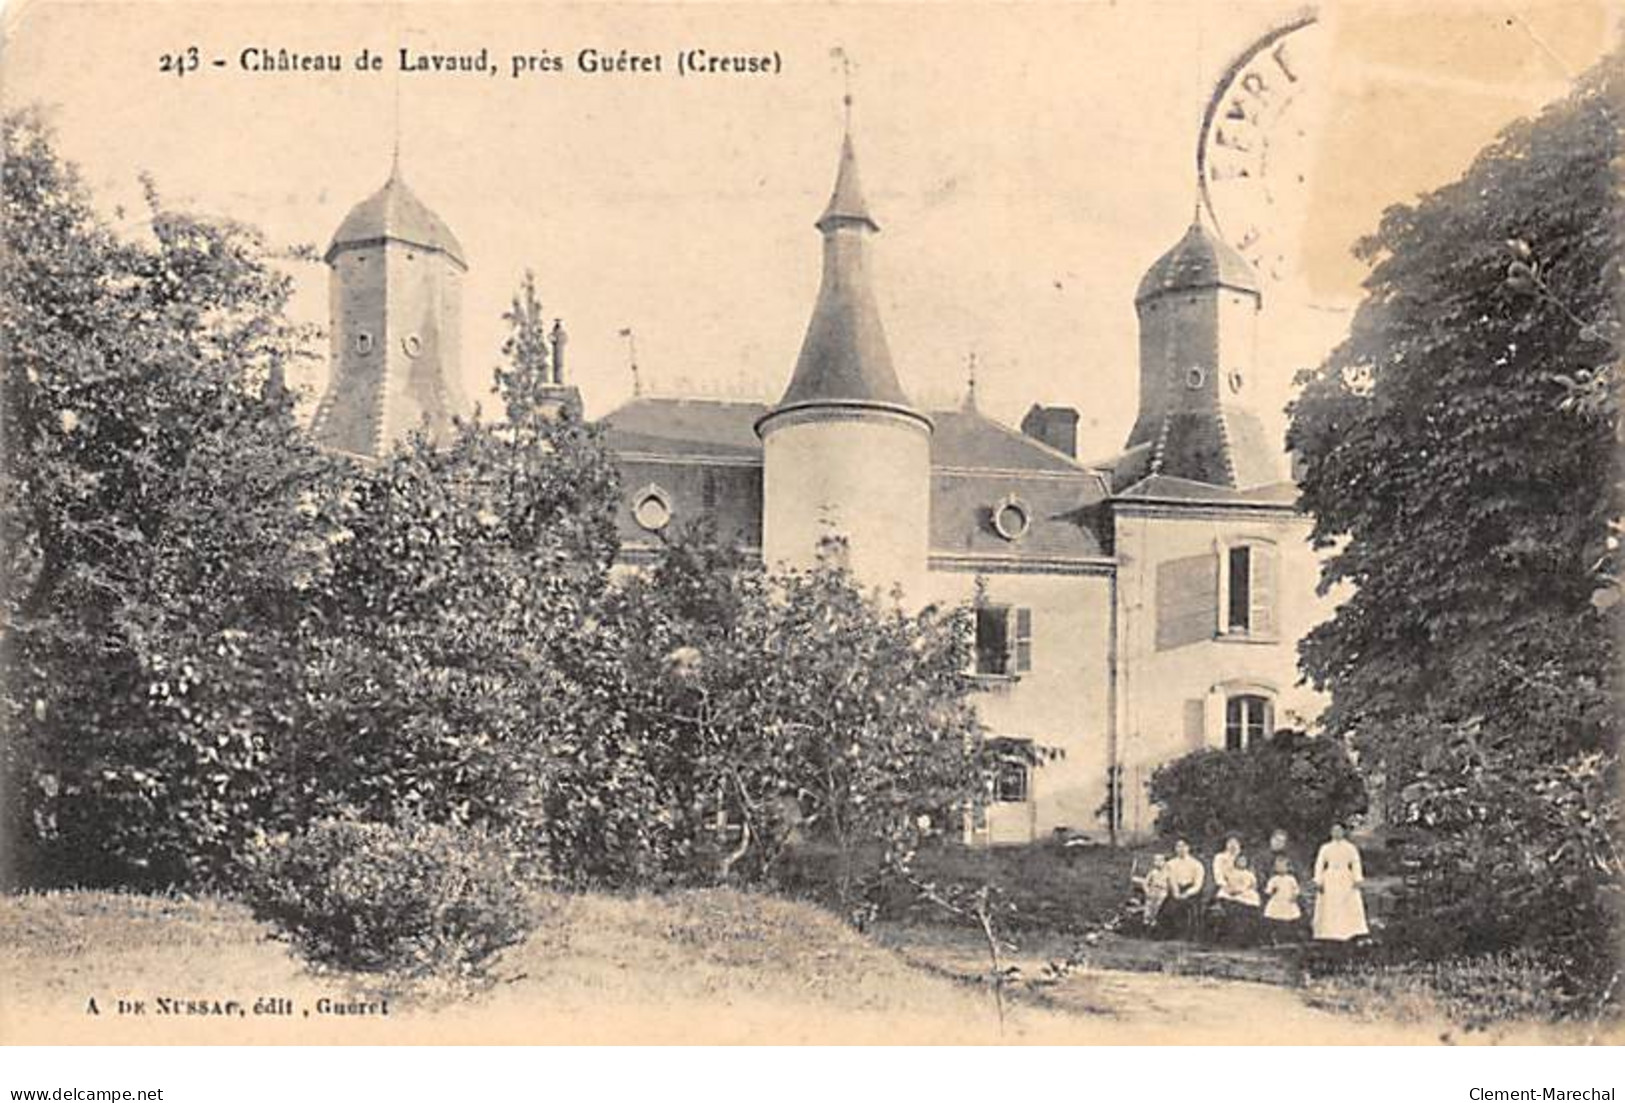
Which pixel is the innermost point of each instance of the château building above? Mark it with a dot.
(1129, 609)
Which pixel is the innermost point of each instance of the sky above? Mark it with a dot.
(1026, 162)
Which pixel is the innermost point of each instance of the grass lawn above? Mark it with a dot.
(703, 966)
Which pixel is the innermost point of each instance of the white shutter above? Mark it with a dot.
(1261, 612)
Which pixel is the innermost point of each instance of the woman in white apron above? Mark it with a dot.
(1339, 907)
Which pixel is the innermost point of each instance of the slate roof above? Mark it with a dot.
(686, 427)
(1166, 488)
(395, 213)
(976, 463)
(1200, 259)
(1225, 450)
(965, 438)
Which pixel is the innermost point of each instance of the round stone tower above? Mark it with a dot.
(846, 456)
(396, 300)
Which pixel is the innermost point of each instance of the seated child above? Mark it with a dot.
(1153, 887)
(1282, 915)
(1237, 901)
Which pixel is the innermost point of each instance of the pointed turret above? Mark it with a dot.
(844, 356)
(845, 453)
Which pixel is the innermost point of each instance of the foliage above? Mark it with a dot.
(450, 657)
(793, 708)
(1302, 784)
(1510, 850)
(1458, 453)
(213, 628)
(149, 514)
(411, 898)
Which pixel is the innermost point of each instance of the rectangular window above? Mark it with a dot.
(1004, 640)
(1012, 776)
(1241, 589)
(993, 639)
(1012, 782)
(1246, 719)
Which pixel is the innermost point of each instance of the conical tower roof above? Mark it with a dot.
(395, 213)
(846, 202)
(845, 359)
(1201, 259)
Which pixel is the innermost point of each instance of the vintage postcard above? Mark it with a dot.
(852, 523)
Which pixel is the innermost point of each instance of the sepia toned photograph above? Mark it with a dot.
(811, 524)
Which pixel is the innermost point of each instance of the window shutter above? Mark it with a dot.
(1187, 601)
(1024, 640)
(1261, 610)
(1195, 723)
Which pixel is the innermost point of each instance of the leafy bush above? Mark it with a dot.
(413, 898)
(1507, 851)
(1291, 781)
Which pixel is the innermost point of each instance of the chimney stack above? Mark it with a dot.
(1056, 426)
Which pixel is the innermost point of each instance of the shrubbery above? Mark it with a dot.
(1290, 780)
(1506, 850)
(410, 899)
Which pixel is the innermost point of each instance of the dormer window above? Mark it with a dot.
(364, 343)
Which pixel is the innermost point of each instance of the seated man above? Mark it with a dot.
(1181, 913)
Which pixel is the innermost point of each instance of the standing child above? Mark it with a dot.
(1282, 915)
(1154, 889)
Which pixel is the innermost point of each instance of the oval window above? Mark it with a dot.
(1235, 380)
(1195, 378)
(651, 509)
(1011, 518)
(413, 344)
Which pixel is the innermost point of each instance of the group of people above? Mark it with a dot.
(1177, 899)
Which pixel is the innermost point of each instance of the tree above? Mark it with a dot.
(214, 630)
(150, 514)
(1457, 451)
(791, 706)
(454, 663)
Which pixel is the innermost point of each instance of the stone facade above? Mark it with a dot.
(1129, 610)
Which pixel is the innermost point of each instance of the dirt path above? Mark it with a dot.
(1114, 1005)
